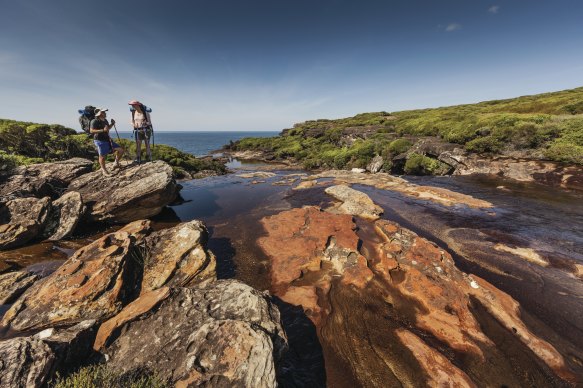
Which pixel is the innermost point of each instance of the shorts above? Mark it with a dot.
(143, 133)
(104, 147)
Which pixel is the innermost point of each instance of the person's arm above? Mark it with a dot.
(106, 129)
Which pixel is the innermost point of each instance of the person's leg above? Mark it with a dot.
(138, 146)
(148, 151)
(118, 152)
(102, 164)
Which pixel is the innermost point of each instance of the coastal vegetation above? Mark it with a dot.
(545, 126)
(23, 143)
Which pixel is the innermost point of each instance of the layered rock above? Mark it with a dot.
(392, 183)
(95, 283)
(135, 192)
(354, 202)
(177, 257)
(44, 179)
(25, 362)
(224, 333)
(393, 309)
(21, 220)
(65, 214)
(13, 284)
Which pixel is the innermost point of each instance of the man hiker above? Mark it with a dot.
(100, 128)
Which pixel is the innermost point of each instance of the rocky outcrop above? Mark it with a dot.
(44, 179)
(383, 284)
(135, 192)
(392, 183)
(25, 362)
(64, 216)
(222, 334)
(177, 257)
(95, 283)
(21, 220)
(13, 284)
(375, 165)
(354, 202)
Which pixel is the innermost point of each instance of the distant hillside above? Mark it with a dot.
(545, 126)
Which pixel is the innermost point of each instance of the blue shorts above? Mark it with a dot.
(104, 147)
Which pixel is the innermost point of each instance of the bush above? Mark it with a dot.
(565, 153)
(418, 164)
(102, 376)
(399, 146)
(488, 144)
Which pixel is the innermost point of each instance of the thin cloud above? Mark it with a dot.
(494, 9)
(453, 27)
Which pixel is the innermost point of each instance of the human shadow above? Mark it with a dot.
(303, 364)
(224, 252)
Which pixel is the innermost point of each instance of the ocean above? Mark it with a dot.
(199, 143)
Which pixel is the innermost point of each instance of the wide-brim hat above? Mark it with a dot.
(134, 102)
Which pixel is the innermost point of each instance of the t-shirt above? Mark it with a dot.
(99, 124)
(140, 119)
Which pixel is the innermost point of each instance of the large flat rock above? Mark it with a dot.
(135, 192)
(22, 220)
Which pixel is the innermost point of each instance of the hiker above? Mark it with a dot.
(100, 128)
(142, 129)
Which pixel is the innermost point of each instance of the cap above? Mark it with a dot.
(99, 111)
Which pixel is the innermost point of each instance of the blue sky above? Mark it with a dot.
(264, 65)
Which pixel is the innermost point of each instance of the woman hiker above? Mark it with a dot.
(142, 129)
(99, 127)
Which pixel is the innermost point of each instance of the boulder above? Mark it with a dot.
(25, 362)
(64, 215)
(95, 283)
(354, 202)
(135, 192)
(21, 220)
(43, 179)
(177, 257)
(375, 164)
(221, 334)
(13, 284)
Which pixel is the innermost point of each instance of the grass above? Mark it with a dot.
(94, 376)
(549, 125)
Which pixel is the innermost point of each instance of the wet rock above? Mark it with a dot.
(222, 334)
(21, 220)
(354, 202)
(388, 182)
(64, 216)
(257, 174)
(178, 257)
(95, 283)
(306, 185)
(13, 284)
(25, 362)
(135, 192)
(527, 254)
(375, 164)
(44, 179)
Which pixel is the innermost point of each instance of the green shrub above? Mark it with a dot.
(399, 146)
(101, 376)
(488, 144)
(565, 153)
(417, 164)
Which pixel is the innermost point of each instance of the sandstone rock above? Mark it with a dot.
(257, 174)
(21, 220)
(178, 257)
(64, 215)
(13, 284)
(358, 170)
(95, 283)
(527, 254)
(136, 192)
(375, 164)
(44, 179)
(354, 202)
(224, 333)
(25, 362)
(388, 182)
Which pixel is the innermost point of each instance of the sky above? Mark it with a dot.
(255, 65)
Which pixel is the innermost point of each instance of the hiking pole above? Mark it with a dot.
(119, 139)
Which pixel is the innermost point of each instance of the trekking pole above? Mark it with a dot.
(119, 139)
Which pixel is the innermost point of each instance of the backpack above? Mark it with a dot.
(87, 115)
